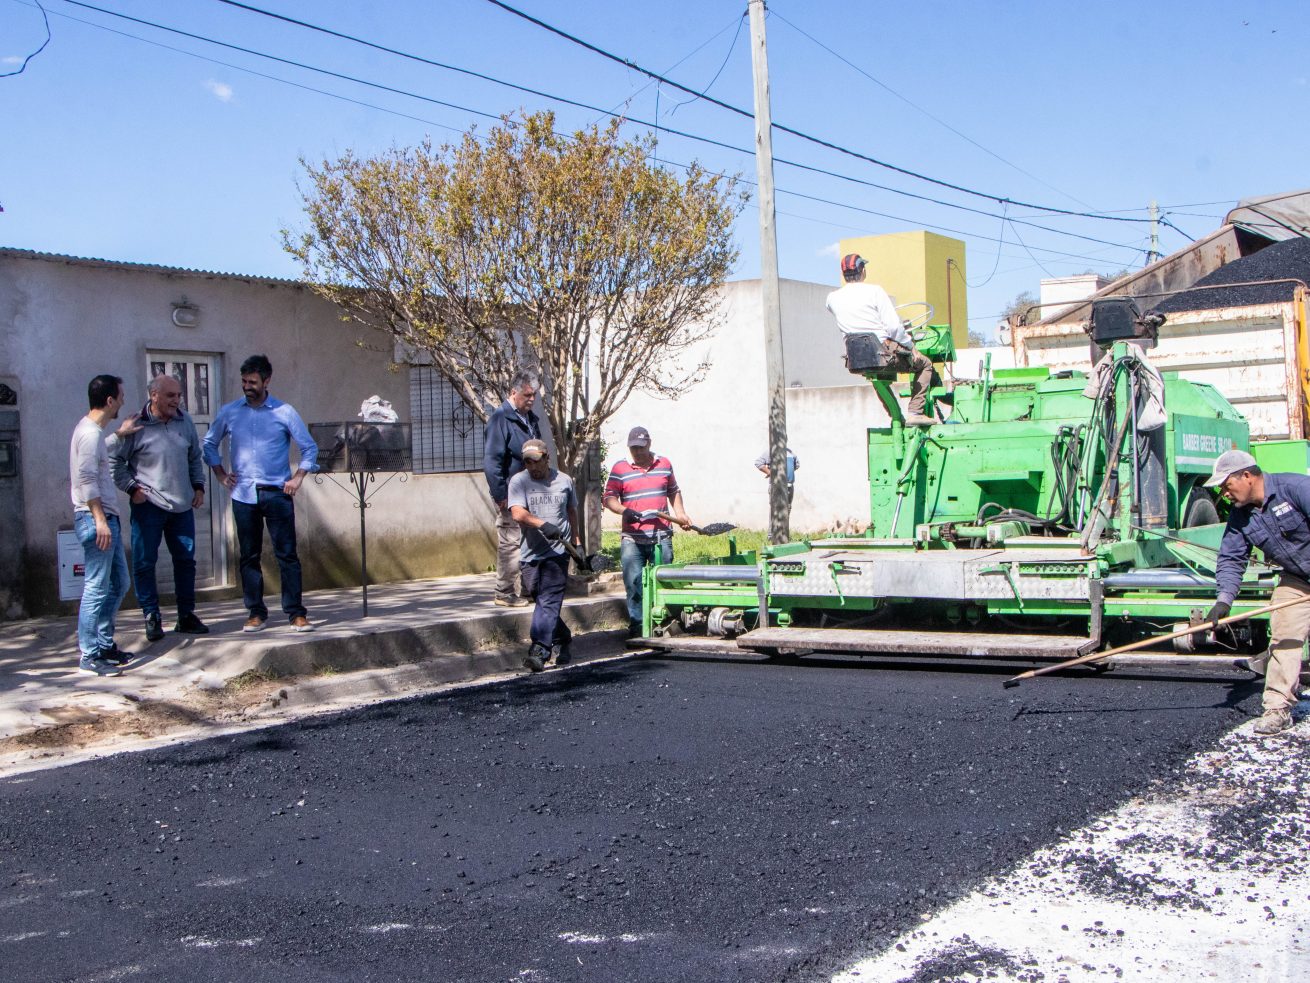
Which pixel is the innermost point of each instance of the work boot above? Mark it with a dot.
(918, 420)
(154, 630)
(1273, 722)
(563, 654)
(513, 601)
(536, 657)
(634, 629)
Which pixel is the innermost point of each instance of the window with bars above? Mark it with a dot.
(447, 435)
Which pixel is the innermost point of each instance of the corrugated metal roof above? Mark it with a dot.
(111, 264)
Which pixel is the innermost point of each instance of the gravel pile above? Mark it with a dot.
(1278, 261)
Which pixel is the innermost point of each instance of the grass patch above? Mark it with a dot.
(690, 547)
(251, 677)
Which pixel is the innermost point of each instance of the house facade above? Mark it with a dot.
(65, 319)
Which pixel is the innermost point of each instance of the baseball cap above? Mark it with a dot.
(1228, 463)
(638, 437)
(852, 263)
(535, 450)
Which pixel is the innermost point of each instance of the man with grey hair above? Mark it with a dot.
(161, 468)
(508, 428)
(1272, 513)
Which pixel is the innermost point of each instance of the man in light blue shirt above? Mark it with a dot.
(262, 486)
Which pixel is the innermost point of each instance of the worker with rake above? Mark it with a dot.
(1272, 513)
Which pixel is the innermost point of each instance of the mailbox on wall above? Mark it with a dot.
(72, 565)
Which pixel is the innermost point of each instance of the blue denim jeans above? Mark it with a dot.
(545, 580)
(150, 524)
(279, 512)
(633, 558)
(104, 584)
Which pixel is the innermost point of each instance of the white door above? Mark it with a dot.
(198, 373)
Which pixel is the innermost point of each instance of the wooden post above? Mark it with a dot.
(775, 376)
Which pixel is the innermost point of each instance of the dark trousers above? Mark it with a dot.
(545, 580)
(276, 509)
(150, 524)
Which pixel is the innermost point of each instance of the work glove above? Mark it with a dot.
(550, 530)
(631, 515)
(1220, 610)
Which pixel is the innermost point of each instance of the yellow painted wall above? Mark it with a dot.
(912, 266)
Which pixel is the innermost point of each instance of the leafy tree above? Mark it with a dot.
(578, 255)
(1020, 308)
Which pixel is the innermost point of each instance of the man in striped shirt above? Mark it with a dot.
(637, 490)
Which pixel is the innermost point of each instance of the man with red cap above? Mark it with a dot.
(865, 308)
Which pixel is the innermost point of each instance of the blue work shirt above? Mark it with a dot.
(261, 444)
(1280, 529)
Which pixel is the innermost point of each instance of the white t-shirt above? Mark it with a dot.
(865, 308)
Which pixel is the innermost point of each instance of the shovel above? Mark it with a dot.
(1143, 643)
(594, 563)
(713, 529)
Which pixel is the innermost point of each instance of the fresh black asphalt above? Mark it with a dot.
(650, 819)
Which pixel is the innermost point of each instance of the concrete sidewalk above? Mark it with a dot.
(449, 618)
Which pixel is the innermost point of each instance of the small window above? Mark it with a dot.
(447, 435)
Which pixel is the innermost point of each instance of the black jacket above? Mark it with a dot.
(503, 456)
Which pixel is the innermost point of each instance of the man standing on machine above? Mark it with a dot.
(1272, 513)
(865, 308)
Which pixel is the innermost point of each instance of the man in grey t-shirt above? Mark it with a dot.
(544, 504)
(95, 519)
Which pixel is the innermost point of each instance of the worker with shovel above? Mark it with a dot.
(544, 503)
(1272, 513)
(641, 490)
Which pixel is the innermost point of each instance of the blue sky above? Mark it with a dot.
(152, 151)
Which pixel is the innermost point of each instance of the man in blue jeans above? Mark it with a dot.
(95, 517)
(160, 467)
(643, 490)
(544, 503)
(262, 428)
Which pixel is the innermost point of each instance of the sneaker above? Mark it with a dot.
(114, 655)
(99, 667)
(563, 654)
(301, 623)
(254, 623)
(189, 624)
(533, 659)
(512, 602)
(918, 420)
(1273, 722)
(154, 630)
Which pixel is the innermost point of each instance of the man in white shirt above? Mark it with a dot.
(95, 518)
(865, 308)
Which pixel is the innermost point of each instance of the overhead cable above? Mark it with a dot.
(819, 141)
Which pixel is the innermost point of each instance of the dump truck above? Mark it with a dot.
(1050, 514)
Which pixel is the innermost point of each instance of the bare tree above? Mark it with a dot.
(579, 255)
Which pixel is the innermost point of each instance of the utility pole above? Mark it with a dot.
(774, 373)
(1154, 254)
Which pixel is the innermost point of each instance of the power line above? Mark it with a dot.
(572, 102)
(936, 119)
(263, 75)
(20, 69)
(999, 199)
(480, 113)
(655, 125)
